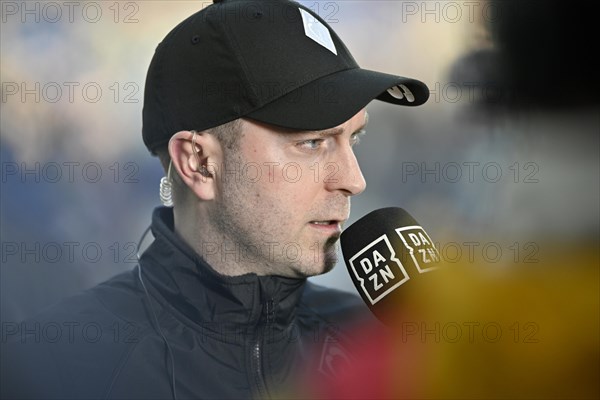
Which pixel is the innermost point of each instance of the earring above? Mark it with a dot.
(166, 189)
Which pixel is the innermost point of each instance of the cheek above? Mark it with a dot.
(285, 192)
(280, 181)
(292, 174)
(296, 180)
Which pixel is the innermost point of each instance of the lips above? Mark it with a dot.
(329, 222)
(332, 221)
(328, 226)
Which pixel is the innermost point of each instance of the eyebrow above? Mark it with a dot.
(338, 131)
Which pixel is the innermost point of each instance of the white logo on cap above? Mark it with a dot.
(318, 32)
(400, 91)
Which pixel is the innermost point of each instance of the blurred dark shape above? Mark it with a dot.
(543, 57)
(480, 74)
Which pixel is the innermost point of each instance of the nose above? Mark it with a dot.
(344, 173)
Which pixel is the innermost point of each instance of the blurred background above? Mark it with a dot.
(501, 167)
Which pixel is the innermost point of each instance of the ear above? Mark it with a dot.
(195, 163)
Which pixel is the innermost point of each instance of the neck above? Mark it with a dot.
(207, 297)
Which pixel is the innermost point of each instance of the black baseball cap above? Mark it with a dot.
(275, 61)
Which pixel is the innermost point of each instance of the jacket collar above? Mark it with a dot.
(203, 295)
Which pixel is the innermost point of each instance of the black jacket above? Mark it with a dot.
(217, 337)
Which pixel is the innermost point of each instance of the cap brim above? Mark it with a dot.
(333, 99)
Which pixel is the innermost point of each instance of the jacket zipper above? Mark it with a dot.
(257, 352)
(258, 374)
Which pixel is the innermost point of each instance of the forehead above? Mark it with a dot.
(356, 123)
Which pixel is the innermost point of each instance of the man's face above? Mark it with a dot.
(284, 196)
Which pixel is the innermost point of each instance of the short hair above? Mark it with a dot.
(228, 135)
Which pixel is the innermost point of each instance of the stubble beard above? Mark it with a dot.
(329, 252)
(253, 241)
(259, 252)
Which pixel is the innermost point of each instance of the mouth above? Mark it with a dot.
(331, 225)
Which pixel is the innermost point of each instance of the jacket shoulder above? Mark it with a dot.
(78, 343)
(333, 306)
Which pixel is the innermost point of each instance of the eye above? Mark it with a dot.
(355, 138)
(310, 144)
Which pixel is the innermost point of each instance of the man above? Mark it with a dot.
(253, 108)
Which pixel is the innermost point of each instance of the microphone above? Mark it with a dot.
(388, 255)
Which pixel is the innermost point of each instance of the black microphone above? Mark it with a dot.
(387, 254)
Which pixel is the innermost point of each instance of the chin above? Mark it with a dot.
(319, 264)
(328, 261)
